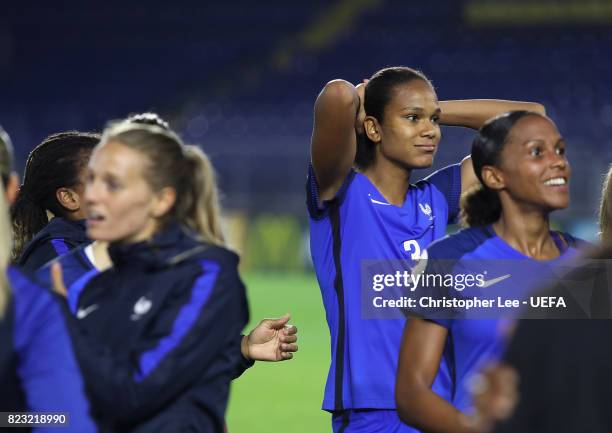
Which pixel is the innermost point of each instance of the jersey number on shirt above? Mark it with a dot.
(413, 247)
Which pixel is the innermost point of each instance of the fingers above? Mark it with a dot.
(277, 323)
(57, 278)
(287, 350)
(288, 338)
(290, 330)
(495, 393)
(503, 401)
(289, 347)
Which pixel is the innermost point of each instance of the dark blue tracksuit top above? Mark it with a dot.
(156, 334)
(57, 238)
(38, 370)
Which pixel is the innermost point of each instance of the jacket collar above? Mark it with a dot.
(162, 250)
(74, 232)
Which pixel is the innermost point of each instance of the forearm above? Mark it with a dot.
(425, 410)
(473, 113)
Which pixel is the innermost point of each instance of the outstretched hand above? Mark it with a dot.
(57, 280)
(271, 340)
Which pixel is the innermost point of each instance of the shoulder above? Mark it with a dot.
(208, 257)
(206, 251)
(458, 244)
(318, 208)
(31, 300)
(576, 243)
(444, 179)
(214, 269)
(37, 252)
(22, 283)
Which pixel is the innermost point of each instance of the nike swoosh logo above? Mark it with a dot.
(495, 280)
(380, 202)
(84, 312)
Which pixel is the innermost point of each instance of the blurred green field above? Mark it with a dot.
(285, 396)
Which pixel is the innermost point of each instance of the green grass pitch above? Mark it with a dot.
(284, 396)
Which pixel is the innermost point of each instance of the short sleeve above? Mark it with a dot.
(317, 209)
(432, 290)
(448, 182)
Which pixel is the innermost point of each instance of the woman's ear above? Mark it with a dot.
(163, 202)
(493, 178)
(372, 129)
(68, 198)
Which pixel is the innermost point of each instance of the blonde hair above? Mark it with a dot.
(6, 239)
(182, 167)
(605, 209)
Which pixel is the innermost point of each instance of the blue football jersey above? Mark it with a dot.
(360, 225)
(473, 342)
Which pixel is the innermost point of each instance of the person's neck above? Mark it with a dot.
(390, 179)
(526, 230)
(101, 258)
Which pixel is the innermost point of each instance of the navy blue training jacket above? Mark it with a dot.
(75, 264)
(156, 335)
(57, 238)
(38, 369)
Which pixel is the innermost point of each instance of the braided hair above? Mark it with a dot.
(55, 163)
(148, 118)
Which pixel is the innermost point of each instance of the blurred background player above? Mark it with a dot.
(82, 256)
(170, 272)
(48, 215)
(530, 370)
(366, 142)
(38, 369)
(53, 182)
(165, 243)
(524, 175)
(269, 340)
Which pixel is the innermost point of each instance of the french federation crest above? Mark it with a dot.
(426, 209)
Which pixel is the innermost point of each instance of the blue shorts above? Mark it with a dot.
(369, 421)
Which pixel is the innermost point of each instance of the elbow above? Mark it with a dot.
(407, 403)
(341, 91)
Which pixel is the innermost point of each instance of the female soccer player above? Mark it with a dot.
(519, 158)
(270, 340)
(157, 335)
(92, 255)
(38, 370)
(53, 181)
(386, 129)
(497, 399)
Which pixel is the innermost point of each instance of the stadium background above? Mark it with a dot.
(240, 79)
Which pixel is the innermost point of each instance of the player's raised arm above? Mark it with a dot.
(473, 113)
(334, 139)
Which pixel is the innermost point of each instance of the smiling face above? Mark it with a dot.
(409, 133)
(533, 167)
(121, 206)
